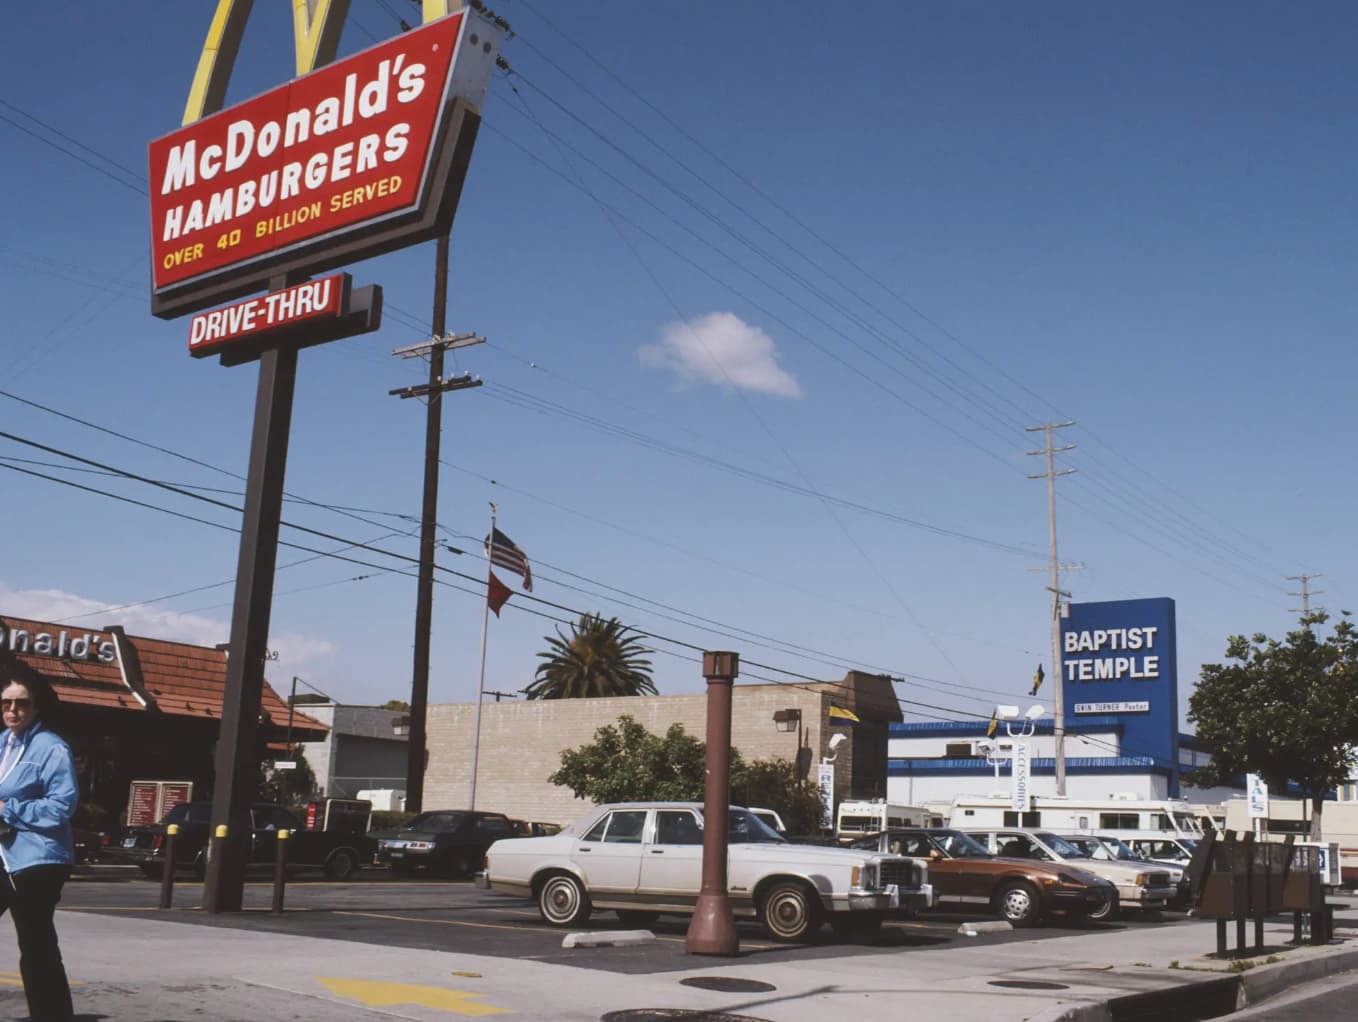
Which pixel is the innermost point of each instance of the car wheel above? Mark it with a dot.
(464, 865)
(1017, 903)
(200, 866)
(562, 901)
(341, 865)
(1106, 910)
(637, 917)
(788, 912)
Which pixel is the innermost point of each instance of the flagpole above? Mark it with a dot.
(481, 678)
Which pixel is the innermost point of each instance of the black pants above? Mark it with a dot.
(31, 898)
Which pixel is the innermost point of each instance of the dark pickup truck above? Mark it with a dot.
(338, 852)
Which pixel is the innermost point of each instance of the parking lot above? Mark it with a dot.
(457, 916)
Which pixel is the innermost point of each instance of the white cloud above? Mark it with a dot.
(721, 348)
(60, 607)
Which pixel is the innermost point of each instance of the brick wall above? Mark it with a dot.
(522, 741)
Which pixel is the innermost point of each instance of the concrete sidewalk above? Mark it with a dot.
(136, 968)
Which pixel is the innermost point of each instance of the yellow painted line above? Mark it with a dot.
(13, 979)
(502, 926)
(380, 994)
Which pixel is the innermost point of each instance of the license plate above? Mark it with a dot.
(397, 854)
(129, 842)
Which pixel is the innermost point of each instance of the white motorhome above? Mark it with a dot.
(1117, 816)
(1338, 826)
(857, 819)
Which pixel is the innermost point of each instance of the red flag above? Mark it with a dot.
(496, 593)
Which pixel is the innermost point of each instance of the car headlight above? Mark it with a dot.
(1142, 879)
(864, 877)
(1068, 878)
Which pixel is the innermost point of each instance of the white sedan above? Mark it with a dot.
(641, 859)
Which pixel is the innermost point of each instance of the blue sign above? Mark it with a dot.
(1121, 656)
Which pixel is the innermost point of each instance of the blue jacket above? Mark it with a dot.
(39, 791)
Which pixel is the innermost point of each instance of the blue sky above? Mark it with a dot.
(906, 231)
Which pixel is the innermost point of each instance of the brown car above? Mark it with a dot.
(965, 875)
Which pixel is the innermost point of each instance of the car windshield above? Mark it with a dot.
(1062, 847)
(957, 845)
(437, 823)
(1092, 848)
(1122, 851)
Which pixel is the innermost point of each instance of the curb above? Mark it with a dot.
(1270, 980)
(614, 938)
(1211, 998)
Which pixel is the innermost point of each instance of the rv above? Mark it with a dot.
(858, 818)
(1117, 816)
(1338, 826)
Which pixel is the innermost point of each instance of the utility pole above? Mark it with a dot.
(1306, 592)
(1054, 567)
(499, 695)
(424, 593)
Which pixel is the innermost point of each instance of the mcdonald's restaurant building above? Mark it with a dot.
(134, 708)
(521, 741)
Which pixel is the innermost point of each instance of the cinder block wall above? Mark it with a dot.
(522, 741)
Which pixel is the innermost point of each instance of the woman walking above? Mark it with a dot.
(38, 793)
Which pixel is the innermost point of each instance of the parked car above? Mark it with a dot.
(641, 860)
(526, 828)
(338, 853)
(965, 875)
(771, 819)
(1176, 850)
(448, 842)
(1101, 846)
(1144, 886)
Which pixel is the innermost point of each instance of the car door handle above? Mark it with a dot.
(657, 851)
(582, 849)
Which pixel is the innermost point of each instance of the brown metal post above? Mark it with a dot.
(167, 873)
(280, 870)
(713, 928)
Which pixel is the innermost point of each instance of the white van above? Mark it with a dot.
(1118, 816)
(857, 819)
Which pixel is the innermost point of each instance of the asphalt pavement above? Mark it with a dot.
(331, 957)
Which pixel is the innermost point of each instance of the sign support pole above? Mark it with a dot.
(237, 757)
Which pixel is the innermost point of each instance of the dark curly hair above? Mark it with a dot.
(46, 702)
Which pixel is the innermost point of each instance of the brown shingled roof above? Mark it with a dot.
(182, 679)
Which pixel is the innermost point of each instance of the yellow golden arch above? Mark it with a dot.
(316, 28)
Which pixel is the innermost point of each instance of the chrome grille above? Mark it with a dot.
(1157, 880)
(900, 872)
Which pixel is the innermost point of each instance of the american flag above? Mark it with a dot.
(502, 551)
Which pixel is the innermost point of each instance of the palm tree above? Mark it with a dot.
(600, 658)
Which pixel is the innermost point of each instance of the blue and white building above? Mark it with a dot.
(1120, 692)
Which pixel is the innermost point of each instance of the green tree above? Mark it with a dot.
(775, 784)
(627, 763)
(290, 788)
(1287, 710)
(600, 658)
(400, 705)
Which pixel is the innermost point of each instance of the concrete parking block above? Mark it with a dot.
(608, 938)
(987, 926)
